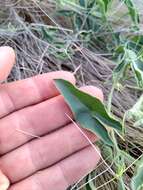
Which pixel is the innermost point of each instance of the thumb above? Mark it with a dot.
(7, 60)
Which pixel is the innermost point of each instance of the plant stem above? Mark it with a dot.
(109, 104)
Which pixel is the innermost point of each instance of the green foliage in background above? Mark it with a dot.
(93, 28)
(57, 46)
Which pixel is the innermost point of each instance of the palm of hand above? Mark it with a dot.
(33, 108)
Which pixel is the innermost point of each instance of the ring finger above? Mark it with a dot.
(63, 174)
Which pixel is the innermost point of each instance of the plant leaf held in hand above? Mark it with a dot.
(89, 112)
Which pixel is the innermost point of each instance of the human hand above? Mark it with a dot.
(40, 148)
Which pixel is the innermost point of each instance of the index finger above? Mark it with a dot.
(19, 94)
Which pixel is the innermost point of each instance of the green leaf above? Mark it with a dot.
(102, 8)
(132, 11)
(129, 59)
(91, 4)
(82, 3)
(47, 35)
(121, 184)
(88, 111)
(107, 153)
(106, 2)
(78, 22)
(137, 180)
(90, 185)
(120, 67)
(136, 113)
(137, 67)
(119, 73)
(127, 157)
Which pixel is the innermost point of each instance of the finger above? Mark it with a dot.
(7, 60)
(16, 95)
(94, 91)
(63, 174)
(4, 182)
(37, 120)
(44, 152)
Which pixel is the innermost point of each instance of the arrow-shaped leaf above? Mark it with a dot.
(88, 111)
